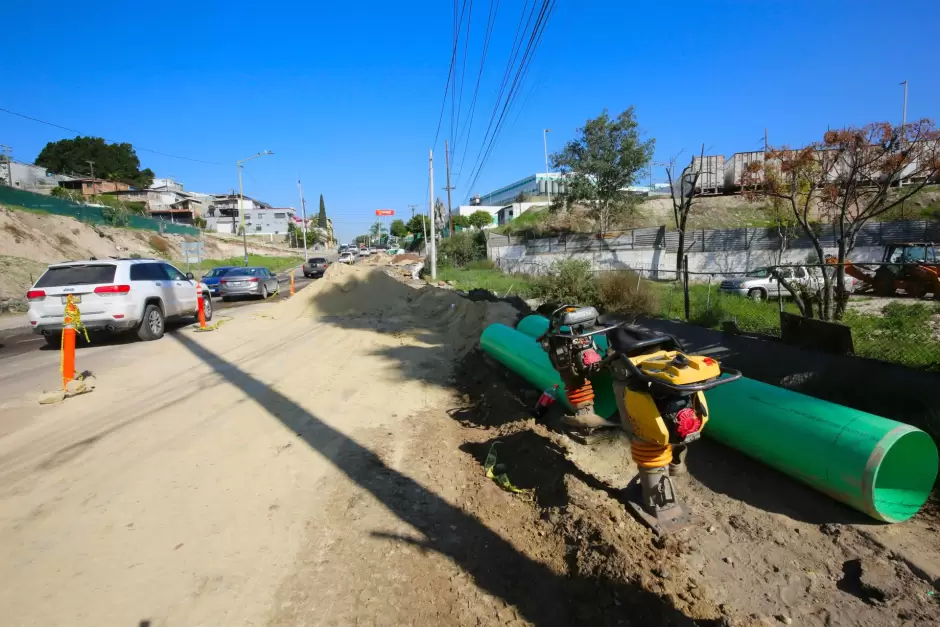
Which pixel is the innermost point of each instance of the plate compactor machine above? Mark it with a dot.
(659, 393)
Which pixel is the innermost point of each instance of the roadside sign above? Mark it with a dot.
(193, 252)
(384, 212)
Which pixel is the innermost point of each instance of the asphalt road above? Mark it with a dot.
(20, 341)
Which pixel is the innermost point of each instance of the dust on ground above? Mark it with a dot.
(319, 462)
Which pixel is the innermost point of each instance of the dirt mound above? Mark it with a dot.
(405, 259)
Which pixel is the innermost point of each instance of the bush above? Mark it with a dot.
(159, 244)
(114, 216)
(622, 291)
(568, 282)
(462, 248)
(481, 264)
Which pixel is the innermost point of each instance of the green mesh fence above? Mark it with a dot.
(90, 215)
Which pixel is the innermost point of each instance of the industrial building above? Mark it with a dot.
(545, 184)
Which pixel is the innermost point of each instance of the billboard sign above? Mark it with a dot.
(384, 212)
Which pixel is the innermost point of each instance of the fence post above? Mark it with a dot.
(708, 299)
(685, 285)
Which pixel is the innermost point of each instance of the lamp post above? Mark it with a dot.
(548, 187)
(241, 200)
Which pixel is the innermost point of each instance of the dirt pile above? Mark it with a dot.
(405, 259)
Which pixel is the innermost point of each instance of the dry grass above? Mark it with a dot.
(622, 291)
(63, 240)
(16, 231)
(159, 244)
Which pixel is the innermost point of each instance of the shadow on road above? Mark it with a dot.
(540, 595)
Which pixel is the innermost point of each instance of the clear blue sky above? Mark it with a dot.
(348, 94)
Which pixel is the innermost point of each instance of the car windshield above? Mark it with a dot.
(59, 276)
(217, 272)
(247, 271)
(760, 273)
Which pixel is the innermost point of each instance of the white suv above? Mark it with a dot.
(114, 295)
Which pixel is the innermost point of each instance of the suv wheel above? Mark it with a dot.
(53, 340)
(756, 294)
(206, 309)
(152, 325)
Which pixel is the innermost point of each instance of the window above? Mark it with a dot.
(216, 272)
(280, 216)
(147, 272)
(173, 274)
(760, 273)
(77, 275)
(258, 228)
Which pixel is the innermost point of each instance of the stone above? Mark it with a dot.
(728, 560)
(878, 580)
(74, 387)
(47, 398)
(786, 620)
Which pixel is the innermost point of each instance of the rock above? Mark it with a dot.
(466, 399)
(830, 529)
(661, 572)
(728, 560)
(878, 580)
(711, 529)
(74, 387)
(47, 398)
(786, 620)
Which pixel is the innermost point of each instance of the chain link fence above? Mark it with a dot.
(84, 213)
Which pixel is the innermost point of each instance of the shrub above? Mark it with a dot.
(622, 291)
(462, 248)
(569, 281)
(481, 264)
(114, 216)
(159, 244)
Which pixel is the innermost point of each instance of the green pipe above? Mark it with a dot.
(881, 467)
(525, 357)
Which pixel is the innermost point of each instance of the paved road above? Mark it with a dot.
(15, 342)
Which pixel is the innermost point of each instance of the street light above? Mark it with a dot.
(241, 199)
(548, 186)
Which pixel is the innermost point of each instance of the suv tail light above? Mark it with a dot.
(33, 295)
(112, 289)
(253, 280)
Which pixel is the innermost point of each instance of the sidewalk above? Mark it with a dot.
(10, 322)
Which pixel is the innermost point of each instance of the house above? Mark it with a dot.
(260, 217)
(93, 187)
(29, 177)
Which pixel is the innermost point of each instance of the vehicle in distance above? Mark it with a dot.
(315, 267)
(364, 252)
(115, 295)
(213, 277)
(250, 281)
(762, 283)
(347, 257)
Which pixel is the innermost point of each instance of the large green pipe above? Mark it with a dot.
(878, 466)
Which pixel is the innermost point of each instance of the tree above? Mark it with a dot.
(682, 199)
(480, 219)
(321, 217)
(111, 161)
(845, 181)
(602, 163)
(415, 227)
(461, 221)
(440, 216)
(398, 228)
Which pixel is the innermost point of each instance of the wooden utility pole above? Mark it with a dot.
(450, 213)
(433, 240)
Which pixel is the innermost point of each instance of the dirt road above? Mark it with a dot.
(318, 462)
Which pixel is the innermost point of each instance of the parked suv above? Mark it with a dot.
(114, 295)
(762, 283)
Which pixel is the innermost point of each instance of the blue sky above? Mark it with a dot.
(348, 94)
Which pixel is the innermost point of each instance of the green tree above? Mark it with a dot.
(599, 165)
(414, 225)
(117, 162)
(376, 230)
(321, 218)
(480, 219)
(399, 229)
(461, 221)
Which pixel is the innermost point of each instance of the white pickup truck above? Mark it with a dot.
(761, 283)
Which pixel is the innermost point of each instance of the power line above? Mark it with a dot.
(463, 71)
(453, 59)
(535, 39)
(111, 141)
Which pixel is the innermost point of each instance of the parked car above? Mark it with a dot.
(114, 295)
(213, 277)
(762, 283)
(347, 257)
(250, 281)
(364, 252)
(315, 267)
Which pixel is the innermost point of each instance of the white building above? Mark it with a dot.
(29, 177)
(536, 185)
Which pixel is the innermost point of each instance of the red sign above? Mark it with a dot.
(384, 212)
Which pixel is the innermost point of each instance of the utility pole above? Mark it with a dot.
(450, 212)
(548, 186)
(93, 185)
(903, 122)
(303, 210)
(433, 240)
(765, 139)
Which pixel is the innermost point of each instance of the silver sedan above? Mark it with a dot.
(247, 282)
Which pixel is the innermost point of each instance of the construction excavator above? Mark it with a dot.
(908, 266)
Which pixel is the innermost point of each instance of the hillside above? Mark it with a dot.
(29, 241)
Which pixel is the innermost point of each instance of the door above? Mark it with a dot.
(183, 291)
(150, 279)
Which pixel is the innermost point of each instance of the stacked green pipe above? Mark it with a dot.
(878, 466)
